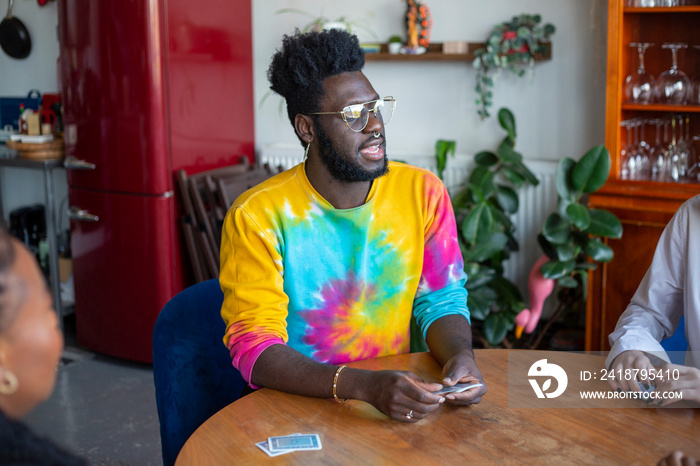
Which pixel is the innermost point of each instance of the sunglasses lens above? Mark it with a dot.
(356, 117)
(386, 106)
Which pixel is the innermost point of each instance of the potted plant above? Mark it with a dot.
(571, 236)
(510, 45)
(486, 234)
(394, 44)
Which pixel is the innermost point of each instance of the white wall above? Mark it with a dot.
(20, 187)
(560, 111)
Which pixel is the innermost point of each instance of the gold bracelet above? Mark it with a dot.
(335, 385)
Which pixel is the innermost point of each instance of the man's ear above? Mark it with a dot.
(304, 126)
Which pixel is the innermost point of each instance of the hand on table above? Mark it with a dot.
(688, 384)
(631, 359)
(677, 458)
(462, 368)
(403, 395)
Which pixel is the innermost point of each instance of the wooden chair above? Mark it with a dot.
(206, 198)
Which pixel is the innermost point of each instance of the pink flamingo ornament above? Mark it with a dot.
(539, 288)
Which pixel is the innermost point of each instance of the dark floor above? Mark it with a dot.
(102, 408)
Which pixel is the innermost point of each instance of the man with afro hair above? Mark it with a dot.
(327, 262)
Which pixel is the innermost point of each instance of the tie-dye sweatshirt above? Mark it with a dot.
(338, 285)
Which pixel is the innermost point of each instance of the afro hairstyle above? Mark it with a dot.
(305, 60)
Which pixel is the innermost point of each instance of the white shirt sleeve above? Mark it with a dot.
(659, 302)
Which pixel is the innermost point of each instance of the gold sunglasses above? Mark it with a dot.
(356, 116)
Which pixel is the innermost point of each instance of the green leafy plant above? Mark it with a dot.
(395, 39)
(571, 237)
(510, 45)
(443, 148)
(483, 207)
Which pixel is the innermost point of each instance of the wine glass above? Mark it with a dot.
(672, 157)
(640, 85)
(695, 91)
(628, 156)
(673, 85)
(641, 148)
(656, 152)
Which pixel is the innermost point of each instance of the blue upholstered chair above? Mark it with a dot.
(192, 368)
(677, 343)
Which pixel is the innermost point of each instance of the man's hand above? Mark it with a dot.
(462, 368)
(688, 384)
(398, 394)
(631, 359)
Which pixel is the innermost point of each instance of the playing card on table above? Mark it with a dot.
(294, 442)
(457, 388)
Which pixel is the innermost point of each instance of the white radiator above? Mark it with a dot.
(536, 203)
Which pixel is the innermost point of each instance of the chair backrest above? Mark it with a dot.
(192, 368)
(677, 343)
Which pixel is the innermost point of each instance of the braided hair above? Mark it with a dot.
(305, 60)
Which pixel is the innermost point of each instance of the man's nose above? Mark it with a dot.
(374, 123)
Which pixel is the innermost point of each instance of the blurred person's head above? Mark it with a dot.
(31, 341)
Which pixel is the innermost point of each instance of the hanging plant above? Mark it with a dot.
(511, 45)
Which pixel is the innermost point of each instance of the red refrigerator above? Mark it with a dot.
(149, 87)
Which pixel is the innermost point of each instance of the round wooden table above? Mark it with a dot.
(489, 432)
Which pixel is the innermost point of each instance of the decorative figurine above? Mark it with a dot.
(418, 25)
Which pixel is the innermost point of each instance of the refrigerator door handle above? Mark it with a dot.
(76, 213)
(74, 163)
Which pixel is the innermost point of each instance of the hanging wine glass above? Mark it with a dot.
(628, 160)
(640, 86)
(673, 85)
(672, 156)
(694, 170)
(641, 149)
(683, 148)
(656, 152)
(695, 91)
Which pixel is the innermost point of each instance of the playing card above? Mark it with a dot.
(264, 447)
(460, 387)
(294, 442)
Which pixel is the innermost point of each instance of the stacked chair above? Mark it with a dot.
(206, 197)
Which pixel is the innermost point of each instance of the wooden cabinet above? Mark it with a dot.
(644, 207)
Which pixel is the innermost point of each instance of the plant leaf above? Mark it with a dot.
(515, 178)
(604, 223)
(567, 251)
(484, 249)
(599, 251)
(478, 224)
(495, 328)
(507, 122)
(477, 280)
(567, 282)
(557, 269)
(507, 199)
(507, 154)
(443, 148)
(547, 247)
(578, 215)
(565, 187)
(486, 159)
(556, 229)
(526, 173)
(591, 172)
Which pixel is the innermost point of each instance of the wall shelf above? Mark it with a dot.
(435, 53)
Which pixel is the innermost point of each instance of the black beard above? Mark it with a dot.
(342, 169)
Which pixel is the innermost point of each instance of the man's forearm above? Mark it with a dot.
(449, 336)
(282, 368)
